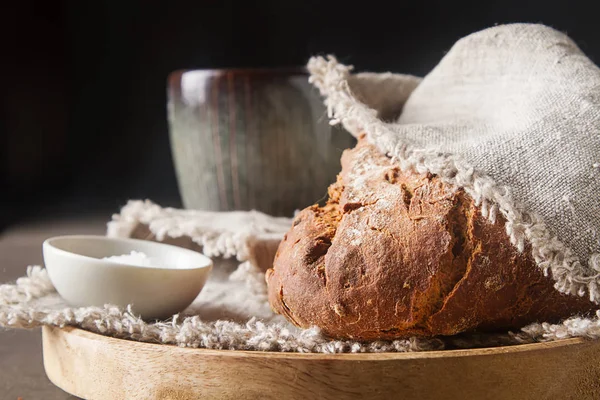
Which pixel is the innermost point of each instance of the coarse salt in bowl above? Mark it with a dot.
(135, 258)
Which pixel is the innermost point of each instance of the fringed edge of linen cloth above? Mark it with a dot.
(17, 312)
(551, 255)
(223, 234)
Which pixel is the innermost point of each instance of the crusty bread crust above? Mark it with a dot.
(395, 254)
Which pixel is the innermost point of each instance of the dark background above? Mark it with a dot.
(83, 118)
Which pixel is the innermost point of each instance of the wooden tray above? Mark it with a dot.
(96, 367)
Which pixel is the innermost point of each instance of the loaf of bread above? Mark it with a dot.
(394, 254)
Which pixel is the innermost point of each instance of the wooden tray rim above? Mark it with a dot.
(258, 354)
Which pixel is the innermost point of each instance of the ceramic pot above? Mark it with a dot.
(251, 139)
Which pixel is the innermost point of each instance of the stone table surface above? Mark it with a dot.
(21, 369)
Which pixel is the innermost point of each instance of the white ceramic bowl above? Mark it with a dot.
(83, 279)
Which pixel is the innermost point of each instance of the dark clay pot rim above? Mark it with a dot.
(175, 77)
(276, 71)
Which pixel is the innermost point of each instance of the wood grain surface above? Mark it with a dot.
(97, 367)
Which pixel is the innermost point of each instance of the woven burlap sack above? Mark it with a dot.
(511, 114)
